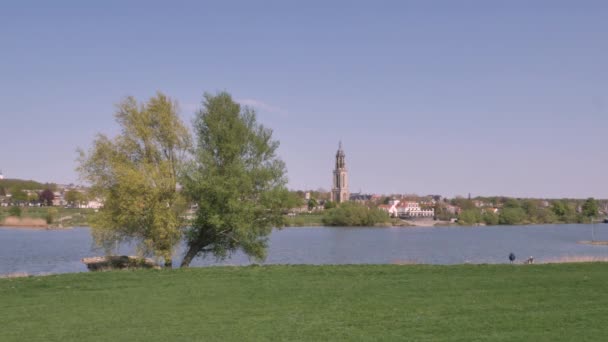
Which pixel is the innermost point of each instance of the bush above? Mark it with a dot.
(354, 214)
(490, 218)
(469, 217)
(50, 215)
(512, 216)
(14, 211)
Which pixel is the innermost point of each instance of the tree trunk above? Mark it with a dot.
(192, 252)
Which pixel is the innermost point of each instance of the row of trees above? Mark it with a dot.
(154, 170)
(44, 197)
(532, 211)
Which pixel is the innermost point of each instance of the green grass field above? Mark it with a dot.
(565, 302)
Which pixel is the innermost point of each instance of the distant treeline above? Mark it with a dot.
(8, 186)
(511, 211)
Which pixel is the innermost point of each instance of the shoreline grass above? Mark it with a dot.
(62, 217)
(552, 302)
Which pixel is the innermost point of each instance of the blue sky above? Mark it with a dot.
(449, 97)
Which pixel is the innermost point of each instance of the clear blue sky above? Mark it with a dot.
(448, 97)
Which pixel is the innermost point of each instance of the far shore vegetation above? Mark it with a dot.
(514, 212)
(511, 211)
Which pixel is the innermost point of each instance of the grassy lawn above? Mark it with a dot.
(566, 302)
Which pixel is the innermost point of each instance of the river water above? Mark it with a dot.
(61, 251)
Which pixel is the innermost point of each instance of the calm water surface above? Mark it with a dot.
(60, 251)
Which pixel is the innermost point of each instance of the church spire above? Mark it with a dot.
(339, 192)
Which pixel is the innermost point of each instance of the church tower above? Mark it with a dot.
(339, 192)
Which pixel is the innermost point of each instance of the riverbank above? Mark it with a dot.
(316, 220)
(39, 217)
(366, 302)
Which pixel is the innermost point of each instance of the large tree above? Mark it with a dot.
(136, 175)
(237, 180)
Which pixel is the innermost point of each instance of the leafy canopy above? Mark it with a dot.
(136, 174)
(236, 180)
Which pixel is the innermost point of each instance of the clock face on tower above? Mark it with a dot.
(339, 190)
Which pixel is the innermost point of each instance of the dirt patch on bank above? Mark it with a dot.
(24, 222)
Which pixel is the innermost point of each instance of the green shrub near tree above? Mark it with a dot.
(490, 218)
(354, 214)
(470, 217)
(51, 214)
(14, 211)
(511, 216)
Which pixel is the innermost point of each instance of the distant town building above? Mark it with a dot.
(339, 192)
(406, 209)
(413, 209)
(1, 175)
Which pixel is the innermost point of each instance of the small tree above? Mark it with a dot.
(33, 197)
(46, 197)
(73, 197)
(312, 203)
(18, 195)
(590, 208)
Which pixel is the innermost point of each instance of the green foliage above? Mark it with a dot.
(136, 175)
(18, 195)
(329, 205)
(72, 217)
(511, 216)
(237, 181)
(51, 214)
(470, 217)
(565, 211)
(304, 220)
(463, 203)
(20, 184)
(14, 211)
(511, 203)
(525, 211)
(294, 200)
(74, 197)
(354, 214)
(590, 208)
(312, 203)
(490, 218)
(312, 303)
